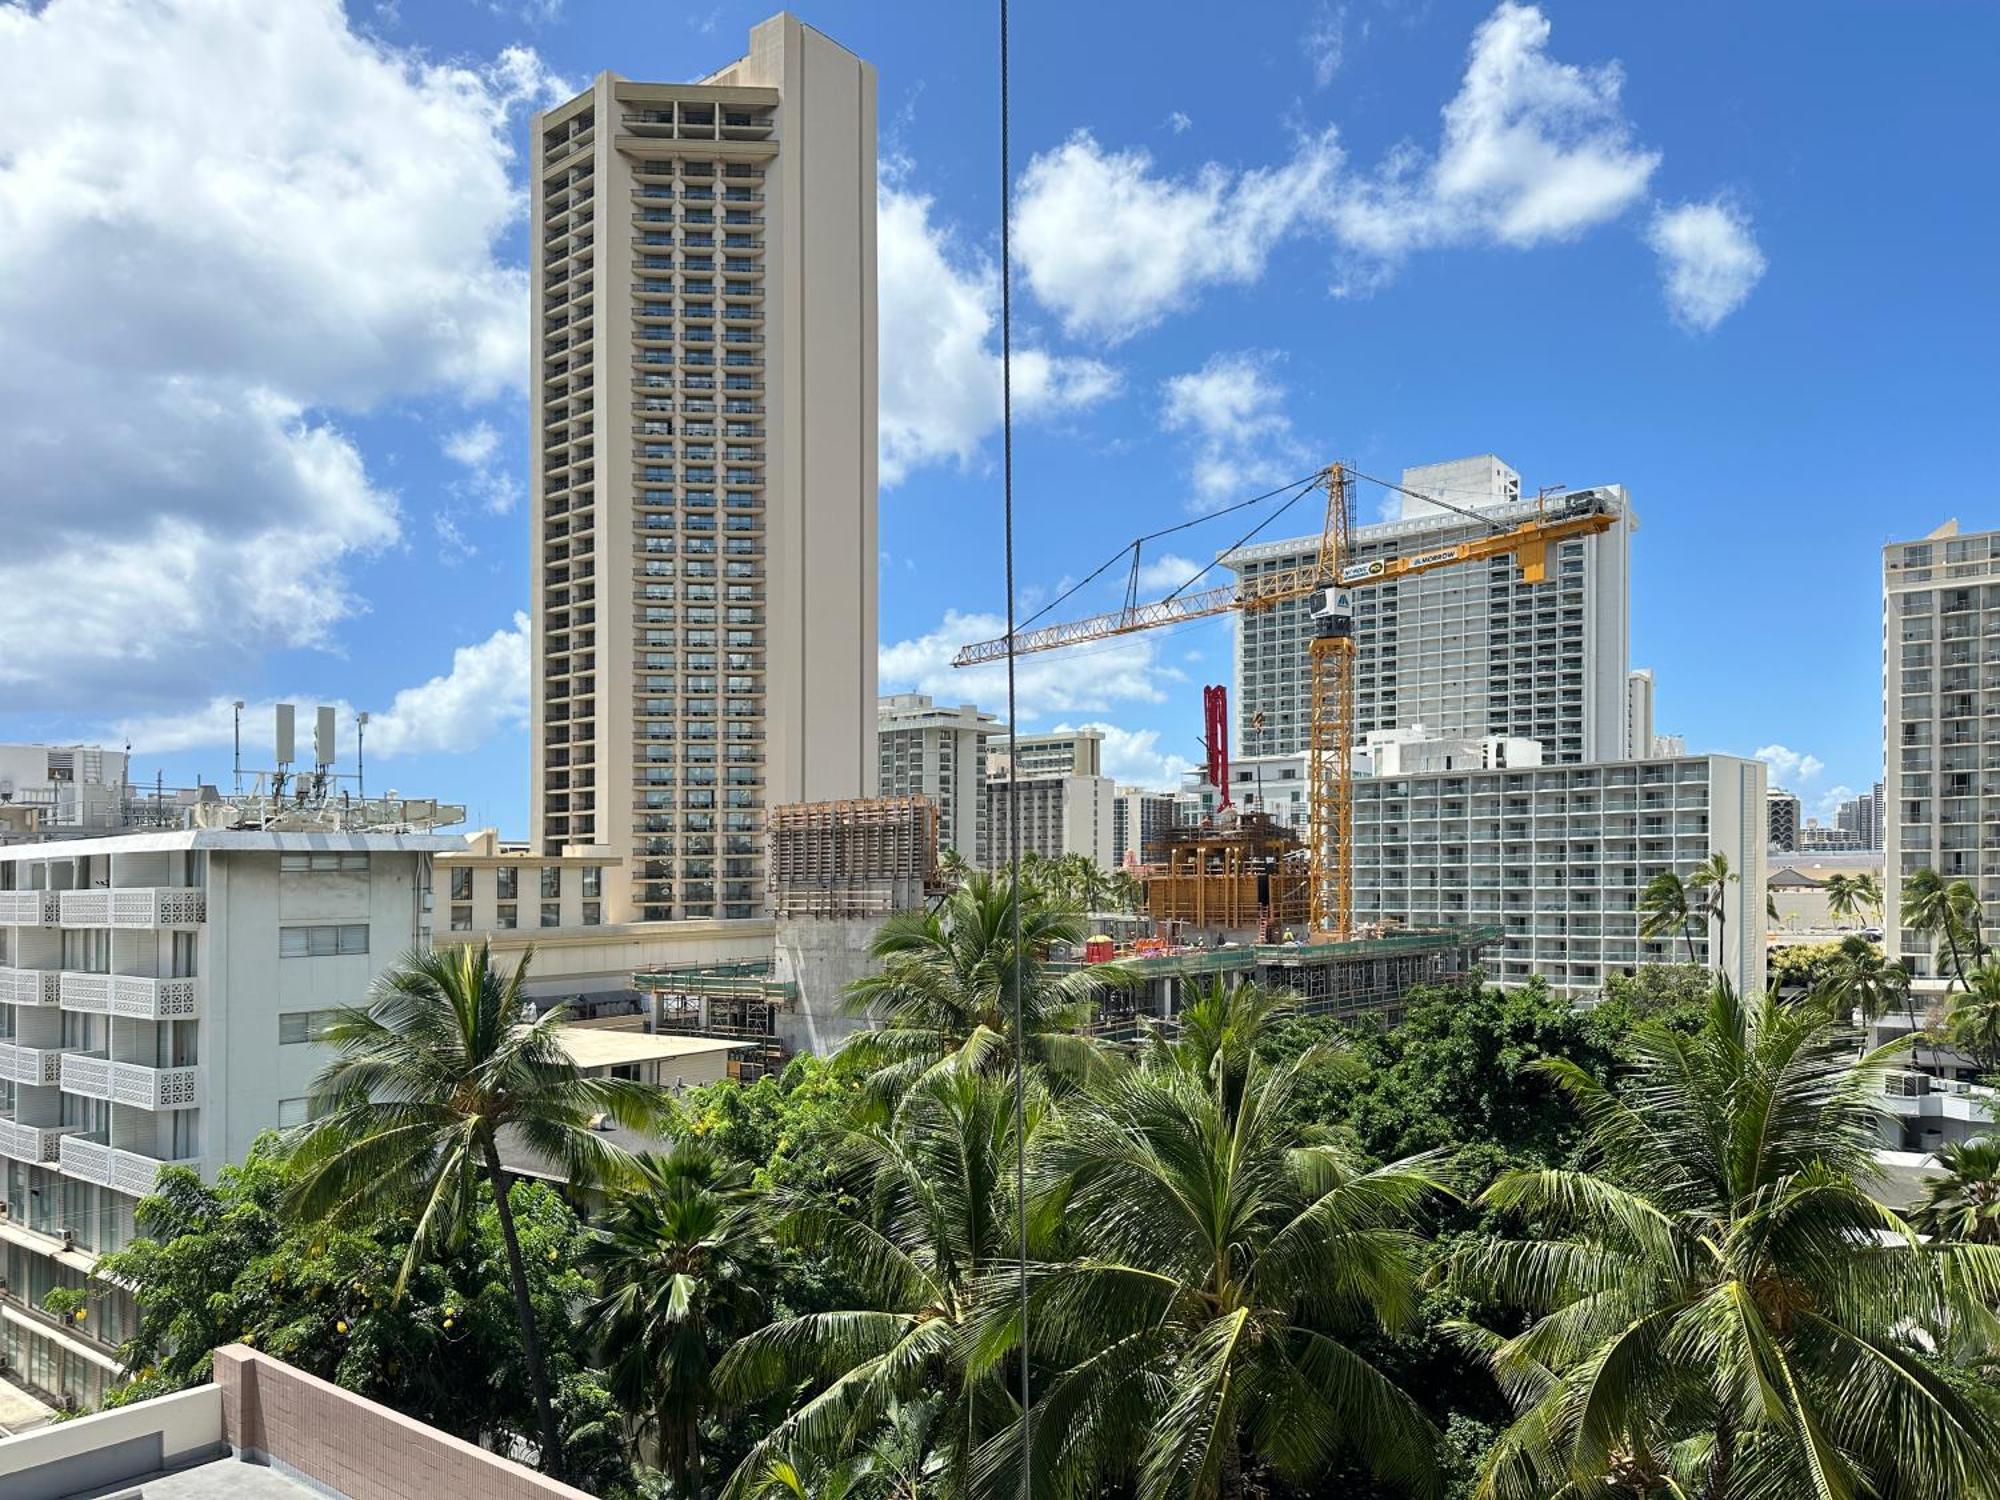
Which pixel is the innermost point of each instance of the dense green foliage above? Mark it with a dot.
(1504, 1246)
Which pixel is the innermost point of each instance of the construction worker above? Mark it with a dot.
(1288, 936)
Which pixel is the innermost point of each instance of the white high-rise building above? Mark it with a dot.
(1558, 856)
(1638, 713)
(1940, 720)
(704, 417)
(1059, 815)
(1468, 651)
(159, 995)
(939, 753)
(1143, 822)
(1062, 752)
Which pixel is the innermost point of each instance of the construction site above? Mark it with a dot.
(1237, 896)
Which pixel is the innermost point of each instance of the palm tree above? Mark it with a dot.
(1860, 978)
(1963, 1203)
(1718, 1310)
(944, 988)
(953, 867)
(1973, 1023)
(1842, 896)
(925, 1206)
(446, 1055)
(1934, 909)
(1664, 910)
(1222, 1270)
(1868, 893)
(1709, 885)
(671, 1262)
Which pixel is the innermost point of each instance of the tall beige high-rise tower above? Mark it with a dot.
(704, 410)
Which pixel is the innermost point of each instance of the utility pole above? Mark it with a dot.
(238, 706)
(361, 756)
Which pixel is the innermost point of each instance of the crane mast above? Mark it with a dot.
(1327, 585)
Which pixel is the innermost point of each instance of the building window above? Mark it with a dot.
(507, 883)
(461, 884)
(291, 1112)
(507, 916)
(296, 1027)
(551, 882)
(461, 919)
(322, 864)
(593, 881)
(551, 914)
(593, 914)
(322, 942)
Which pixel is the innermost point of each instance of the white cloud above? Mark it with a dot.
(1132, 757)
(490, 486)
(1089, 679)
(1232, 412)
(218, 224)
(1169, 571)
(1325, 41)
(485, 693)
(1709, 261)
(1793, 764)
(940, 361)
(1112, 246)
(1532, 150)
(1180, 122)
(1829, 802)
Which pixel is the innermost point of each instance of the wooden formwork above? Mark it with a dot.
(1250, 876)
(855, 857)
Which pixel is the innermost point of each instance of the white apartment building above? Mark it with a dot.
(1862, 817)
(158, 996)
(1063, 752)
(1785, 818)
(1469, 651)
(1143, 823)
(1059, 815)
(704, 416)
(47, 791)
(1557, 857)
(1639, 712)
(925, 750)
(1940, 719)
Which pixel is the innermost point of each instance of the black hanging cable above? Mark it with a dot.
(1013, 758)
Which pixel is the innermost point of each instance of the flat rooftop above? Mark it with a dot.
(592, 1047)
(218, 1479)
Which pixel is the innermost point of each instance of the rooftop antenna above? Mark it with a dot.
(238, 707)
(361, 756)
(286, 727)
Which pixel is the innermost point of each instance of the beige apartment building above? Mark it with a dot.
(704, 412)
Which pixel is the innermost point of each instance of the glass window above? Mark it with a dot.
(593, 914)
(551, 882)
(291, 1112)
(461, 919)
(508, 916)
(294, 1027)
(507, 883)
(292, 942)
(551, 914)
(461, 884)
(354, 937)
(593, 880)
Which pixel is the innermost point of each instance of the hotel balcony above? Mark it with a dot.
(133, 996)
(136, 907)
(130, 1172)
(39, 1066)
(36, 1145)
(29, 986)
(27, 908)
(131, 1083)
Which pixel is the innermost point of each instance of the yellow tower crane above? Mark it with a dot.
(1327, 584)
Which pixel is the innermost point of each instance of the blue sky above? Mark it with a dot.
(261, 287)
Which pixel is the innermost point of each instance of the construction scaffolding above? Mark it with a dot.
(1250, 876)
(859, 857)
(739, 1002)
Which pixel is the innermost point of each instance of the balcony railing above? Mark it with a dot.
(136, 906)
(130, 1172)
(28, 908)
(28, 986)
(131, 1083)
(34, 1144)
(138, 997)
(39, 1066)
